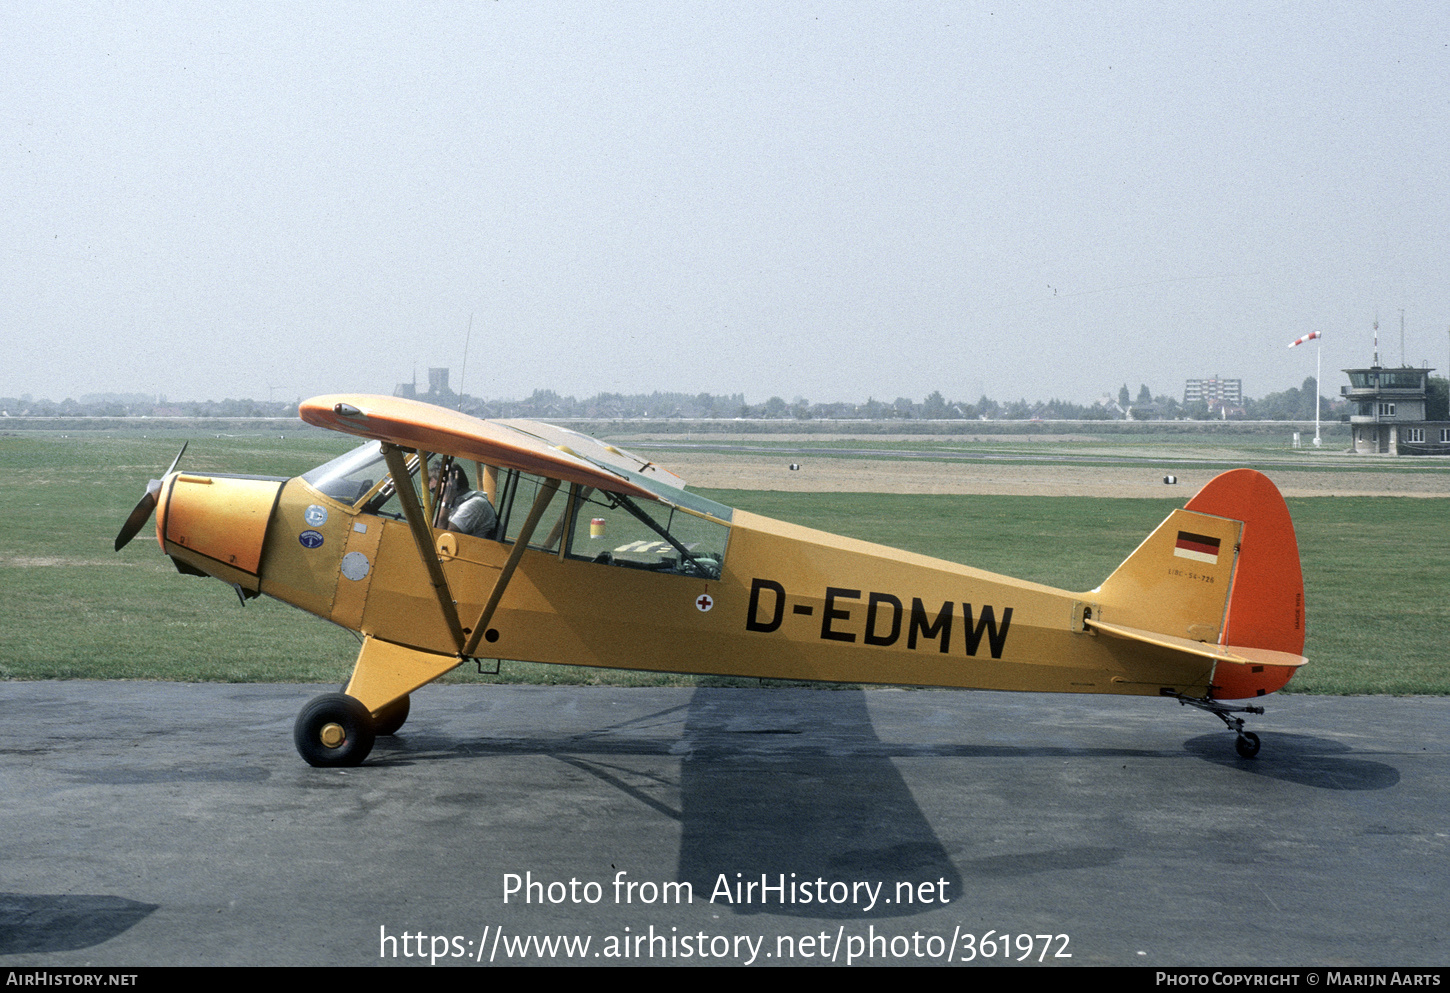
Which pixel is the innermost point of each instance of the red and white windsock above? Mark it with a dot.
(1308, 337)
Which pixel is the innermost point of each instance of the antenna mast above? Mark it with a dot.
(464, 371)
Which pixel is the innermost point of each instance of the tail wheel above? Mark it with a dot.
(334, 730)
(1247, 745)
(391, 717)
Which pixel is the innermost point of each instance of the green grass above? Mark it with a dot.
(70, 607)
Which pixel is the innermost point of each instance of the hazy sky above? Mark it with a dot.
(827, 200)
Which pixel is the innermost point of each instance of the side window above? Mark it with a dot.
(523, 489)
(381, 499)
(612, 529)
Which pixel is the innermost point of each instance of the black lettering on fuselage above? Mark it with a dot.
(996, 639)
(752, 619)
(881, 630)
(872, 608)
(943, 624)
(830, 614)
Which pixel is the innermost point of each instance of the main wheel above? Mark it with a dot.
(333, 730)
(391, 717)
(1247, 745)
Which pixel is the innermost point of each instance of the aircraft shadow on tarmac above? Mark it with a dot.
(1302, 759)
(31, 924)
(769, 783)
(834, 809)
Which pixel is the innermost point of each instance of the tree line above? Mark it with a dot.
(1294, 404)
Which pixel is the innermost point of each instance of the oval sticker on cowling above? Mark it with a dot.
(310, 539)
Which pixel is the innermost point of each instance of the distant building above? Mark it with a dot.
(1216, 393)
(438, 381)
(408, 390)
(1389, 412)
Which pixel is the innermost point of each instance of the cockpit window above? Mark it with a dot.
(348, 478)
(613, 529)
(590, 524)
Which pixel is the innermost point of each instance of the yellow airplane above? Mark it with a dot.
(446, 538)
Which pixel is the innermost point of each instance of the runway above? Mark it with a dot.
(164, 823)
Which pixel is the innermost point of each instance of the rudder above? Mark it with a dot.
(1266, 604)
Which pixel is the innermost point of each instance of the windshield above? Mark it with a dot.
(606, 528)
(348, 478)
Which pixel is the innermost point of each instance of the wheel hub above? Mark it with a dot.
(333, 735)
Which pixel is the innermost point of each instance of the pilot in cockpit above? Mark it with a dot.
(465, 511)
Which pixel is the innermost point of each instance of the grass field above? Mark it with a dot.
(70, 607)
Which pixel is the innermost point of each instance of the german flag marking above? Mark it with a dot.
(1199, 547)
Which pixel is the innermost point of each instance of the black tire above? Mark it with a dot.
(1248, 745)
(327, 716)
(391, 717)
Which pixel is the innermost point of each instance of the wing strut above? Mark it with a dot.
(423, 537)
(521, 543)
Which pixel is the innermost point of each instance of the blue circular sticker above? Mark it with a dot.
(310, 539)
(316, 515)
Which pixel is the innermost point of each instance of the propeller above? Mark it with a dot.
(141, 513)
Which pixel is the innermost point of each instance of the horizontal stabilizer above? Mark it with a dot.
(1238, 654)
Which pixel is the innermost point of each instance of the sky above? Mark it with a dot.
(821, 200)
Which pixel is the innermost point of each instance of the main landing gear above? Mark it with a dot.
(336, 730)
(1247, 743)
(391, 717)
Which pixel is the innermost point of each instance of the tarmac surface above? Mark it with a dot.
(163, 823)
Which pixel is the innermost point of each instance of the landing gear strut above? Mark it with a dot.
(1247, 743)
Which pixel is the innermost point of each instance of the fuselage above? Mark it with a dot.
(774, 600)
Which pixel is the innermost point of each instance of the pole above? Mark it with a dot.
(1318, 387)
(466, 338)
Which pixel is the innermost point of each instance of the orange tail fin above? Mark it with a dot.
(1266, 605)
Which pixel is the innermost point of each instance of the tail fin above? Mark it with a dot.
(1266, 608)
(1224, 570)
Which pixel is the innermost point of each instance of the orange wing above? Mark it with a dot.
(412, 424)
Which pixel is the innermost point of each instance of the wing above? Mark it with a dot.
(528, 446)
(595, 451)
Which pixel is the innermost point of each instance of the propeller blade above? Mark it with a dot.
(174, 463)
(139, 516)
(141, 513)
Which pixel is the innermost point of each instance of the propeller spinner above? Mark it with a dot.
(141, 513)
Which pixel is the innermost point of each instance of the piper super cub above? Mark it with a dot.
(446, 538)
